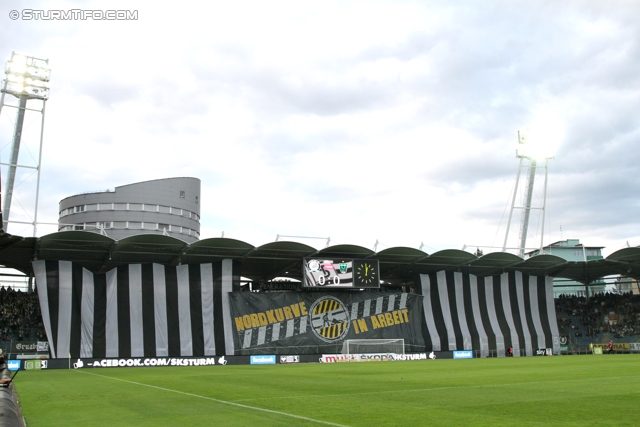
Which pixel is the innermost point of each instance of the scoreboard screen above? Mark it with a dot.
(340, 273)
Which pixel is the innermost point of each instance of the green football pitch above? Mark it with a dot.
(545, 391)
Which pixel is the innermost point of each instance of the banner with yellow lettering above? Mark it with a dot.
(316, 323)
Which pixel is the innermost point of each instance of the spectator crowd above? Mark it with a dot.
(616, 314)
(20, 317)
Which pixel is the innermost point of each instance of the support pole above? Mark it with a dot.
(513, 202)
(544, 202)
(524, 229)
(15, 149)
(35, 214)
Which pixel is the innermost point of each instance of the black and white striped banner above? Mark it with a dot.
(465, 312)
(151, 310)
(139, 310)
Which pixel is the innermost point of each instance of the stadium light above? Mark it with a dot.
(537, 145)
(27, 76)
(542, 138)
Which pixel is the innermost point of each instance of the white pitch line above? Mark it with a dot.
(225, 402)
(306, 396)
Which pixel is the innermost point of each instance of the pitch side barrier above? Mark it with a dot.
(257, 359)
(618, 348)
(372, 357)
(153, 362)
(142, 362)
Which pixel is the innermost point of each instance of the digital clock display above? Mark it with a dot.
(341, 273)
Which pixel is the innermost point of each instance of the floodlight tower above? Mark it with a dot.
(530, 151)
(27, 78)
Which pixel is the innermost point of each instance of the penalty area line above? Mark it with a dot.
(224, 402)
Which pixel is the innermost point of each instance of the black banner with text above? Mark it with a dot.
(308, 322)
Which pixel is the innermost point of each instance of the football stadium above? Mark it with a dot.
(127, 317)
(149, 330)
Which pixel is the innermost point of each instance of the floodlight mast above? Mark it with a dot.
(26, 78)
(532, 155)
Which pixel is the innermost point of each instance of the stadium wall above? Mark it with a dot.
(152, 310)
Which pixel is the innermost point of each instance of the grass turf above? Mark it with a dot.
(565, 390)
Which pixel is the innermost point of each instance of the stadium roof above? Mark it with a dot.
(398, 265)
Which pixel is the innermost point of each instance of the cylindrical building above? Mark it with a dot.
(169, 206)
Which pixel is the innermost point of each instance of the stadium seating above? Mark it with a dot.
(602, 318)
(20, 318)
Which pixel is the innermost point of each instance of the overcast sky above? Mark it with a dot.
(367, 121)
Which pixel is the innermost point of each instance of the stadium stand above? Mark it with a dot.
(20, 318)
(602, 318)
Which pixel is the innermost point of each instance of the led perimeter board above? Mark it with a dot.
(340, 273)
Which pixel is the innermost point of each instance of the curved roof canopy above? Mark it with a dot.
(99, 254)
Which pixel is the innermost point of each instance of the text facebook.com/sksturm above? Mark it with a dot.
(74, 15)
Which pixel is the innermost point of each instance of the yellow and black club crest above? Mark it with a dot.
(329, 319)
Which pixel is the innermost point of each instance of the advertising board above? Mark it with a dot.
(263, 360)
(13, 365)
(290, 359)
(371, 357)
(463, 354)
